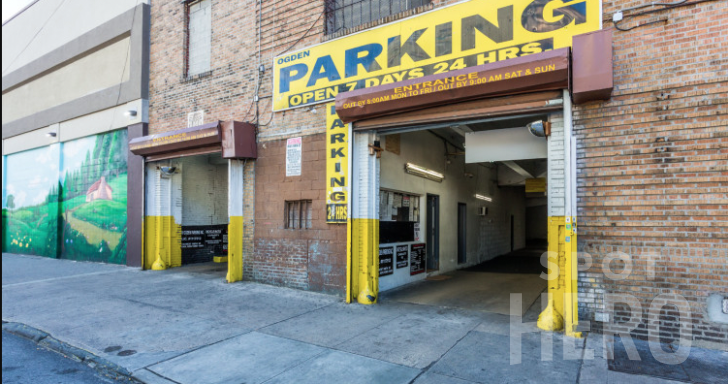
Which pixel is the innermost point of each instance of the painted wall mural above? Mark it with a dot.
(68, 200)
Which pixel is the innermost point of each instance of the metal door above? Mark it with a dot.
(462, 233)
(433, 232)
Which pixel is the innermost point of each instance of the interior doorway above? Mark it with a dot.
(513, 233)
(433, 232)
(462, 233)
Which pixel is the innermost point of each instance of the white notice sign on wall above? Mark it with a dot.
(293, 157)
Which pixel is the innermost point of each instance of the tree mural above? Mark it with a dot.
(78, 212)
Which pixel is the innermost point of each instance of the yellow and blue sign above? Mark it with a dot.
(463, 35)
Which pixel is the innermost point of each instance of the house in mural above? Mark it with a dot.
(100, 190)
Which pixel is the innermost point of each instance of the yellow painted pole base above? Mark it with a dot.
(576, 335)
(159, 264)
(235, 249)
(366, 297)
(550, 320)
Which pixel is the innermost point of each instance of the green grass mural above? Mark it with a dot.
(77, 211)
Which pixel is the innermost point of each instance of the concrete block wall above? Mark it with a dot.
(204, 192)
(652, 165)
(494, 239)
(309, 259)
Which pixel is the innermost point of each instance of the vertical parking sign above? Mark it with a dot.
(337, 167)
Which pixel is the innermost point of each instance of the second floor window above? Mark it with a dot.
(199, 37)
(347, 14)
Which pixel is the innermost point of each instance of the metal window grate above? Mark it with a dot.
(346, 14)
(298, 214)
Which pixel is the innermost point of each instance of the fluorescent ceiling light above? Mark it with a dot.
(482, 197)
(416, 170)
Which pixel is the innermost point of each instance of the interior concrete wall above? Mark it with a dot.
(487, 237)
(50, 24)
(204, 191)
(495, 229)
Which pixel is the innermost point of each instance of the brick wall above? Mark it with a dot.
(311, 259)
(226, 91)
(652, 160)
(652, 164)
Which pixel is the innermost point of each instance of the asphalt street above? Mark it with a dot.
(26, 363)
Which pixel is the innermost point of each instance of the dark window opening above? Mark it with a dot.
(298, 214)
(346, 14)
(399, 217)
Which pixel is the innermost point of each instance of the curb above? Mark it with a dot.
(99, 364)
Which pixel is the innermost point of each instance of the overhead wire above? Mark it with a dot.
(126, 60)
(667, 6)
(32, 39)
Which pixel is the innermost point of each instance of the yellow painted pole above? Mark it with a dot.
(571, 291)
(236, 230)
(159, 264)
(367, 279)
(551, 319)
(236, 227)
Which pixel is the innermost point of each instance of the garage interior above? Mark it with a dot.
(483, 233)
(204, 198)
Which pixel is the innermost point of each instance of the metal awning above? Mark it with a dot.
(235, 140)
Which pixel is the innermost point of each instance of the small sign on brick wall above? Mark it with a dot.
(294, 150)
(195, 119)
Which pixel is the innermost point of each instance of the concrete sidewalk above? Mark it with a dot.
(188, 326)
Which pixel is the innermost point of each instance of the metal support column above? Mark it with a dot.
(364, 220)
(236, 227)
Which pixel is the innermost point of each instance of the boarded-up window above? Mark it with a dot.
(298, 214)
(199, 37)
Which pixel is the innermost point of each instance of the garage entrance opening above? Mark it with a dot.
(205, 211)
(187, 206)
(458, 231)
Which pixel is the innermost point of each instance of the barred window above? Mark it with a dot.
(298, 214)
(346, 14)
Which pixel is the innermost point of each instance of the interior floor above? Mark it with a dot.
(213, 270)
(486, 287)
(524, 261)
